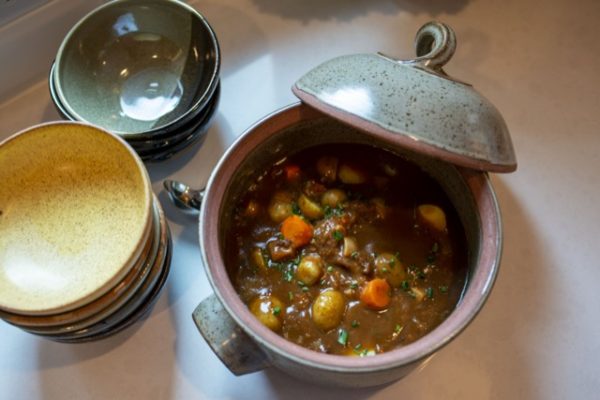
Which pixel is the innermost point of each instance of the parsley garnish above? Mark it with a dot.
(429, 292)
(276, 310)
(342, 337)
(337, 235)
(296, 209)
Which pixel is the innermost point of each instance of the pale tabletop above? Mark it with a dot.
(537, 337)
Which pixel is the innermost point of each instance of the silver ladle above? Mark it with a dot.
(183, 196)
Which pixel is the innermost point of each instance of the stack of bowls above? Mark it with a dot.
(146, 70)
(84, 245)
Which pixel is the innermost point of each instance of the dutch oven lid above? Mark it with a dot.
(413, 103)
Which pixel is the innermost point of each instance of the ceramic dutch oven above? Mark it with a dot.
(412, 108)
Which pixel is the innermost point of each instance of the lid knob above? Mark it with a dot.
(435, 44)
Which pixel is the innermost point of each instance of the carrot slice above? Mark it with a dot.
(297, 230)
(376, 294)
(292, 172)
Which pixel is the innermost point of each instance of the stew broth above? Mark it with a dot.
(347, 249)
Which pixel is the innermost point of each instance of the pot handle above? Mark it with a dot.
(227, 340)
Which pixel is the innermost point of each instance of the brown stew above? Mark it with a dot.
(347, 249)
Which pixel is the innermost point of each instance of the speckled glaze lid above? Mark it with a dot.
(413, 103)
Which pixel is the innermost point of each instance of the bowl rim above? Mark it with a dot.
(133, 255)
(198, 105)
(476, 293)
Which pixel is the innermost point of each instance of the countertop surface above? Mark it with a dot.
(537, 337)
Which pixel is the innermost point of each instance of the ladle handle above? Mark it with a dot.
(227, 340)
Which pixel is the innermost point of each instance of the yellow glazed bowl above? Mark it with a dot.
(75, 215)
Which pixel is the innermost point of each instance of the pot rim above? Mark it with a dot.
(476, 293)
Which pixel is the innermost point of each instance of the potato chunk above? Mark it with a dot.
(388, 267)
(310, 269)
(350, 246)
(351, 174)
(268, 310)
(328, 309)
(258, 260)
(433, 216)
(309, 208)
(333, 197)
(280, 206)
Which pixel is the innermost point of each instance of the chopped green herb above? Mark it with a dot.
(398, 329)
(392, 263)
(443, 289)
(397, 255)
(291, 296)
(280, 236)
(300, 283)
(384, 270)
(354, 254)
(288, 275)
(322, 282)
(421, 275)
(330, 269)
(296, 209)
(429, 292)
(276, 310)
(275, 265)
(305, 289)
(358, 346)
(327, 211)
(337, 235)
(405, 285)
(342, 337)
(296, 260)
(355, 323)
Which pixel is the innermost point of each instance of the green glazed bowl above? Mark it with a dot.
(138, 68)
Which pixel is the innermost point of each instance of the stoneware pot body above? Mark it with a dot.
(242, 342)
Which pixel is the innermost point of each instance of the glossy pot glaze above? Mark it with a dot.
(242, 342)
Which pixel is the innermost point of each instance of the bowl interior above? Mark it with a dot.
(296, 128)
(136, 66)
(75, 214)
